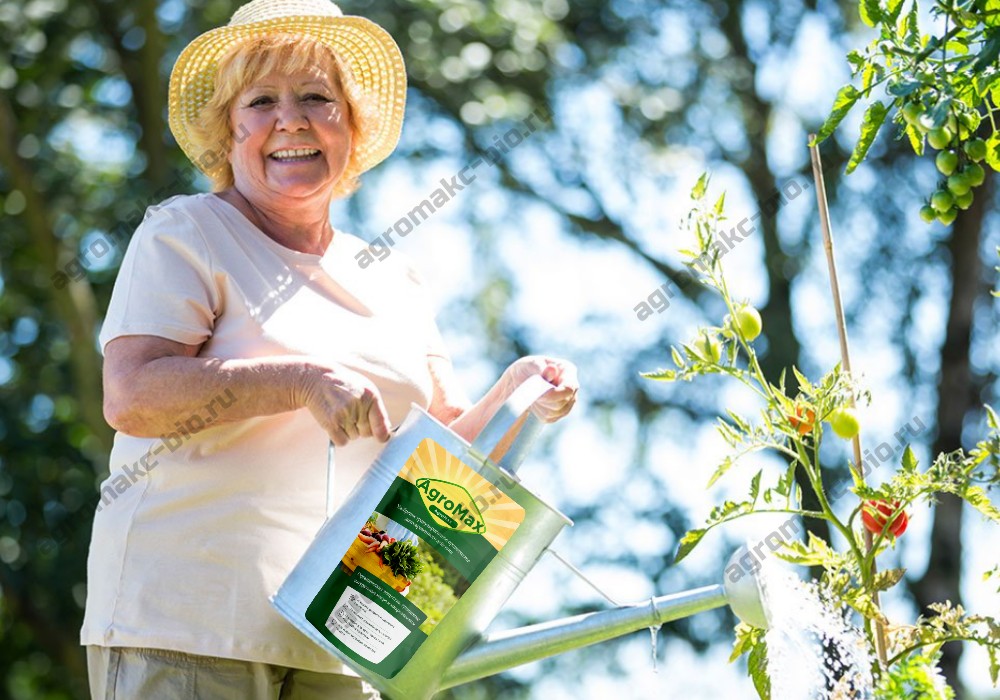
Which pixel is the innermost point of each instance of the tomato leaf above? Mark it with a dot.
(977, 498)
(902, 88)
(993, 151)
(856, 60)
(746, 637)
(700, 187)
(757, 668)
(884, 580)
(842, 104)
(874, 118)
(870, 11)
(916, 139)
(991, 417)
(912, 28)
(720, 471)
(663, 375)
(689, 542)
(720, 204)
(868, 77)
(991, 14)
(676, 357)
(940, 111)
(893, 8)
(755, 486)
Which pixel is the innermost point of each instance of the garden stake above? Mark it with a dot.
(845, 356)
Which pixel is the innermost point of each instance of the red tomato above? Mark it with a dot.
(803, 420)
(875, 513)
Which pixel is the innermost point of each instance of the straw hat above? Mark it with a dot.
(364, 48)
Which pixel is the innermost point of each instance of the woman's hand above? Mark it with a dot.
(558, 402)
(347, 405)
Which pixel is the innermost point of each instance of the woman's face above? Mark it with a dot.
(296, 135)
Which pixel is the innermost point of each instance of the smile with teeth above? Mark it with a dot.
(294, 155)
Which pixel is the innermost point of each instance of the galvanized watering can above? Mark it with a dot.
(434, 513)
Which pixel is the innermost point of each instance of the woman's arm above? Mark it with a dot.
(150, 383)
(451, 406)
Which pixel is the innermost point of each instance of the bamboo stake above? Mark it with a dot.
(845, 356)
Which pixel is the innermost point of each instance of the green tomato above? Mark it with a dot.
(946, 162)
(912, 111)
(749, 323)
(970, 120)
(928, 214)
(948, 216)
(942, 201)
(974, 174)
(939, 138)
(708, 348)
(958, 184)
(964, 201)
(975, 149)
(844, 423)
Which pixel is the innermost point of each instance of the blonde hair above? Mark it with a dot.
(248, 62)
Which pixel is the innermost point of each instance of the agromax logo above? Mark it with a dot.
(451, 505)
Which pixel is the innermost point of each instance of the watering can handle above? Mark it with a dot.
(533, 388)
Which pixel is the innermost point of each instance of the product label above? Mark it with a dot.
(436, 528)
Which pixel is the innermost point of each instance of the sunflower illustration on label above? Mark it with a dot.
(459, 498)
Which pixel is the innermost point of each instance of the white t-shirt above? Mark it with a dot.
(195, 532)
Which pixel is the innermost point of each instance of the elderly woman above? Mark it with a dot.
(242, 338)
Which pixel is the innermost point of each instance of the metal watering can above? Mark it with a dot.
(432, 500)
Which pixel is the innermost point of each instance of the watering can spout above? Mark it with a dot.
(498, 652)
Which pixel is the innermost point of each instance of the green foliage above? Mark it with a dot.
(430, 592)
(401, 558)
(914, 676)
(944, 87)
(950, 623)
(750, 641)
(874, 118)
(793, 428)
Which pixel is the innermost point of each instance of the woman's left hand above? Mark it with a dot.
(556, 403)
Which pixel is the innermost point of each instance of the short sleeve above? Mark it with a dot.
(165, 286)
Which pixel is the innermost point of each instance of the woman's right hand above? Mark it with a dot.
(346, 404)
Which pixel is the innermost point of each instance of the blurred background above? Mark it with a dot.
(552, 249)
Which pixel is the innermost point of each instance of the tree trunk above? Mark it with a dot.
(957, 398)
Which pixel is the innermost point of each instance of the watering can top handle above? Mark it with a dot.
(533, 388)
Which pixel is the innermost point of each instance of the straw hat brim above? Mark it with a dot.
(367, 50)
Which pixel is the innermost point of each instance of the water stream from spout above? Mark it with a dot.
(653, 631)
(813, 650)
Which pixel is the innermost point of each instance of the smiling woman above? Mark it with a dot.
(247, 96)
(249, 291)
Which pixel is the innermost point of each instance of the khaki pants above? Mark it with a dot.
(126, 673)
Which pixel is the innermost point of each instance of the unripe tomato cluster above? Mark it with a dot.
(958, 160)
(747, 322)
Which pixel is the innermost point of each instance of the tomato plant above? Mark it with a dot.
(848, 564)
(943, 89)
